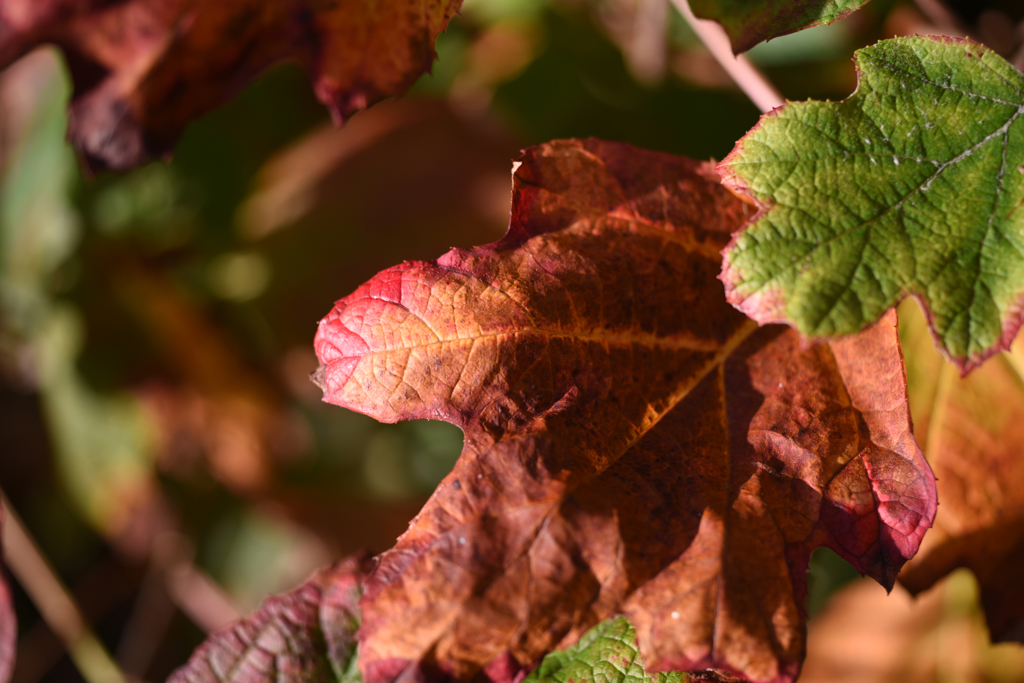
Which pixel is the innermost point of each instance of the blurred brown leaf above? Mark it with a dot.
(404, 180)
(347, 525)
(143, 69)
(287, 186)
(633, 443)
(866, 636)
(972, 429)
(225, 411)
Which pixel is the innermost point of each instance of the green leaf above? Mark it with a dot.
(909, 187)
(607, 653)
(748, 22)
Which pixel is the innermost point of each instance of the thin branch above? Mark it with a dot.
(147, 626)
(197, 595)
(943, 18)
(55, 604)
(747, 76)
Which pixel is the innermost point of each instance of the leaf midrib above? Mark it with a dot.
(674, 342)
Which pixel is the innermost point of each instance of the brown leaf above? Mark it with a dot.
(8, 620)
(234, 415)
(633, 443)
(866, 636)
(972, 429)
(143, 69)
(305, 636)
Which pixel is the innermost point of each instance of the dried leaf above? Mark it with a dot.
(144, 68)
(910, 186)
(748, 22)
(866, 636)
(235, 416)
(633, 444)
(972, 429)
(8, 620)
(305, 636)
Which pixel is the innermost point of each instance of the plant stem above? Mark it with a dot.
(193, 592)
(55, 604)
(747, 76)
(940, 15)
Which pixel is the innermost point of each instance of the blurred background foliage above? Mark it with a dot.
(158, 432)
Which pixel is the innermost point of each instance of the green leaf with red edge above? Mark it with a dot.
(143, 69)
(748, 22)
(304, 636)
(633, 444)
(8, 620)
(971, 429)
(911, 186)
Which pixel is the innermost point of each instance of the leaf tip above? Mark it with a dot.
(728, 168)
(766, 305)
(317, 377)
(966, 363)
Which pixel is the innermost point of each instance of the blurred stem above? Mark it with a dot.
(748, 77)
(197, 595)
(940, 15)
(172, 582)
(54, 603)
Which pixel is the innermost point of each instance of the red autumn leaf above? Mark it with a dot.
(142, 69)
(632, 443)
(8, 621)
(304, 636)
(971, 429)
